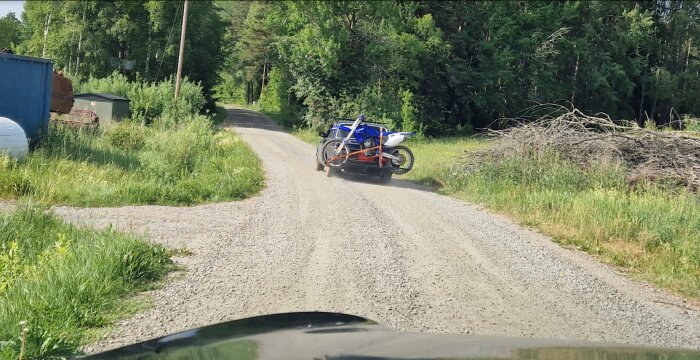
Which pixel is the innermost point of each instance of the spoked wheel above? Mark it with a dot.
(334, 156)
(404, 161)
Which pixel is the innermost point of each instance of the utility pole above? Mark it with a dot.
(181, 57)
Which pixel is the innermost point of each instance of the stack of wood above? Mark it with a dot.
(649, 154)
(77, 118)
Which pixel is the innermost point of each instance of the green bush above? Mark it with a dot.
(409, 115)
(230, 90)
(273, 97)
(692, 124)
(149, 101)
(127, 136)
(62, 280)
(175, 152)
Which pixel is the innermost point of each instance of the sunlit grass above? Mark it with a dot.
(168, 164)
(434, 157)
(63, 281)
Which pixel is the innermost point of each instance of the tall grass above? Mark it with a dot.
(168, 164)
(62, 280)
(434, 157)
(652, 231)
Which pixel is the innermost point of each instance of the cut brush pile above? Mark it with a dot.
(614, 189)
(649, 155)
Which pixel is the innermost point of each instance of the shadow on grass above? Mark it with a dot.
(79, 145)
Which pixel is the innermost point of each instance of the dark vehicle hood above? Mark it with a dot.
(334, 336)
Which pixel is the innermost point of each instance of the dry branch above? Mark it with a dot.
(650, 155)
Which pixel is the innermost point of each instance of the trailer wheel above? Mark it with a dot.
(385, 177)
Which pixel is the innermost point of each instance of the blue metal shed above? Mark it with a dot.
(25, 93)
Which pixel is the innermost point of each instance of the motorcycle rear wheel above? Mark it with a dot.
(333, 157)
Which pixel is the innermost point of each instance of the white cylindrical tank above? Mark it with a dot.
(13, 140)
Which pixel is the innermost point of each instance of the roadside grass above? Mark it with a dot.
(652, 231)
(63, 281)
(167, 164)
(306, 135)
(434, 157)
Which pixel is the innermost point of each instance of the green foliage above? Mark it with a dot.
(230, 90)
(62, 280)
(409, 119)
(90, 38)
(274, 96)
(150, 101)
(168, 164)
(468, 64)
(692, 124)
(126, 136)
(11, 32)
(168, 159)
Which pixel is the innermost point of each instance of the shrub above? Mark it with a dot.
(273, 98)
(692, 124)
(127, 136)
(174, 153)
(231, 90)
(409, 114)
(149, 101)
(648, 228)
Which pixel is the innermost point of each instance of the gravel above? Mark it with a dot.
(398, 254)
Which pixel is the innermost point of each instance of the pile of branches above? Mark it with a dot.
(649, 155)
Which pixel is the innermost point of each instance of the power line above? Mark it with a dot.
(223, 8)
(170, 33)
(162, 57)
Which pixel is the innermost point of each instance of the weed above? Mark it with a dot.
(64, 280)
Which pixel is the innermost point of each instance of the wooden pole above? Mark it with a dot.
(181, 57)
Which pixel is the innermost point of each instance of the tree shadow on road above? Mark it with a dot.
(243, 118)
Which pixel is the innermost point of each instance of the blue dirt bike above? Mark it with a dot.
(367, 145)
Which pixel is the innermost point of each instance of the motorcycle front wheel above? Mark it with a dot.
(404, 163)
(333, 155)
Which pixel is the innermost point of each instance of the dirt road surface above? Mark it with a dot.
(399, 254)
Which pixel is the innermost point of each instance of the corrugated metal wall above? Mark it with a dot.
(25, 92)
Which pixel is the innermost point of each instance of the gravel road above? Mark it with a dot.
(398, 254)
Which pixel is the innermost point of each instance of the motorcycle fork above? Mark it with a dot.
(381, 148)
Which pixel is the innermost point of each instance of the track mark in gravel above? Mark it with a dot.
(397, 254)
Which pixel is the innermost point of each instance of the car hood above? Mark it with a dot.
(319, 335)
